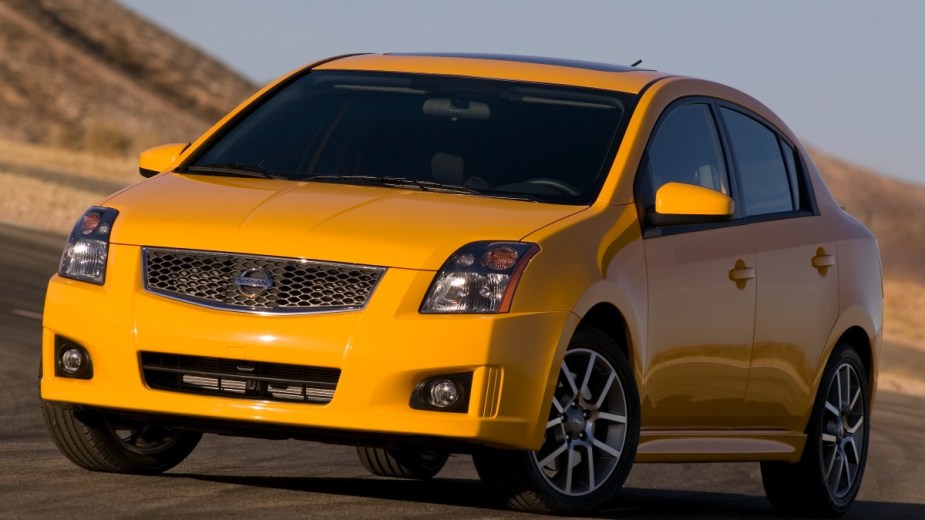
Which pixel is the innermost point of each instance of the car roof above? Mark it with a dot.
(505, 67)
(544, 60)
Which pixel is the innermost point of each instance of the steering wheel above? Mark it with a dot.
(562, 186)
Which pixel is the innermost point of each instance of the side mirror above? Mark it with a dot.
(677, 203)
(155, 160)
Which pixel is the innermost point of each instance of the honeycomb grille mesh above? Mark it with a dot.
(233, 281)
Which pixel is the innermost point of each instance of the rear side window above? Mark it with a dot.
(798, 189)
(686, 149)
(767, 185)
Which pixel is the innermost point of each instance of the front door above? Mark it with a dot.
(701, 285)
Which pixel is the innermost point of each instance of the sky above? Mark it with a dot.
(848, 76)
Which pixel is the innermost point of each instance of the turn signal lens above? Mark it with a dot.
(500, 258)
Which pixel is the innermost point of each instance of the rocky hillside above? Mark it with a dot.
(90, 74)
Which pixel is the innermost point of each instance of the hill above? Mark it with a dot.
(90, 74)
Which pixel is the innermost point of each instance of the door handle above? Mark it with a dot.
(822, 261)
(741, 274)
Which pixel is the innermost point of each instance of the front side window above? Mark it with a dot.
(766, 185)
(686, 149)
(496, 138)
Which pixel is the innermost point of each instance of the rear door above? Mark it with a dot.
(796, 272)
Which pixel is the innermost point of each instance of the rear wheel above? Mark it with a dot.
(402, 462)
(828, 476)
(99, 441)
(590, 439)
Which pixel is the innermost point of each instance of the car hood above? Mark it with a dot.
(342, 223)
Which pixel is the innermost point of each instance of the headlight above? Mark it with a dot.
(480, 277)
(87, 248)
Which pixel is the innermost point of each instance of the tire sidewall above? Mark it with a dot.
(83, 435)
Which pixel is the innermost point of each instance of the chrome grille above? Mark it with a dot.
(233, 281)
(239, 378)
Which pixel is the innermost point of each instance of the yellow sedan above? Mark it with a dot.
(559, 267)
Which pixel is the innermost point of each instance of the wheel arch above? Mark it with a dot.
(856, 327)
(608, 319)
(852, 329)
(857, 338)
(621, 314)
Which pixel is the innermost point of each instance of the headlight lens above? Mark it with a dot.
(87, 248)
(480, 277)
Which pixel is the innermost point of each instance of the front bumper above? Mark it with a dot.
(383, 352)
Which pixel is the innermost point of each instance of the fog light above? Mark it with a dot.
(442, 393)
(72, 360)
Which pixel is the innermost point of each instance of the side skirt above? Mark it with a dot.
(719, 446)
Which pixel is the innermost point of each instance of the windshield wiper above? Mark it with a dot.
(394, 182)
(237, 169)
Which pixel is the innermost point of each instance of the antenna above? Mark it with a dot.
(635, 63)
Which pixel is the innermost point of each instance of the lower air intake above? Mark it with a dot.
(239, 378)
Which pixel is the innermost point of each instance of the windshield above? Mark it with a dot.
(479, 137)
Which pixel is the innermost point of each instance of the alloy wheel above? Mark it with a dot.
(587, 427)
(842, 436)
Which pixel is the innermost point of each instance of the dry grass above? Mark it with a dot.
(96, 166)
(904, 312)
(49, 205)
(43, 204)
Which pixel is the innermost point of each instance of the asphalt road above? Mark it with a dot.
(232, 477)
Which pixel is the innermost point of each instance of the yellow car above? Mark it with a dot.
(560, 267)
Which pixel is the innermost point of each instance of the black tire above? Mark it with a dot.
(828, 476)
(410, 463)
(583, 417)
(98, 441)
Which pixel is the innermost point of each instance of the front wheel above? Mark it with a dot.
(590, 439)
(99, 441)
(828, 476)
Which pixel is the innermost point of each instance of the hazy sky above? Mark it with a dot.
(847, 76)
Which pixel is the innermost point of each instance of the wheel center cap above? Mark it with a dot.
(840, 429)
(575, 421)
